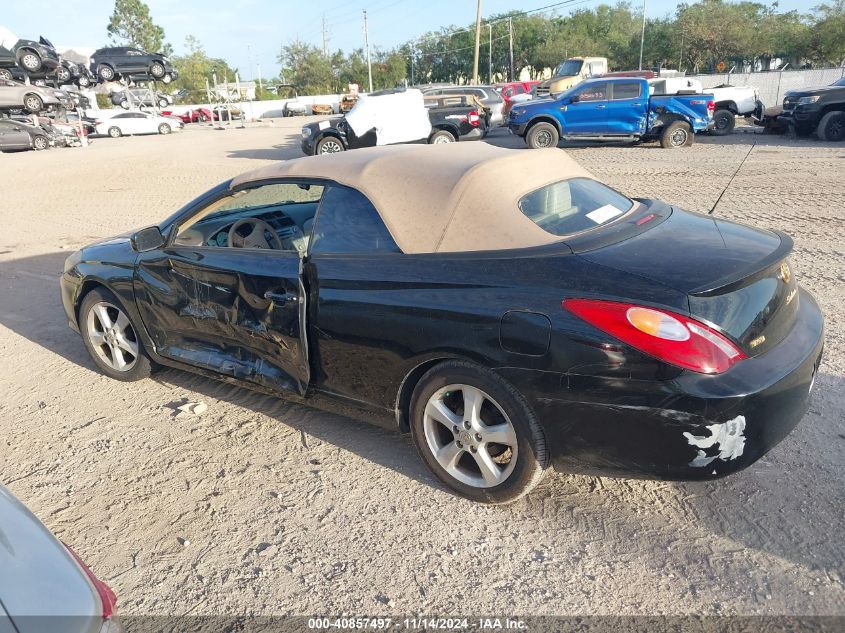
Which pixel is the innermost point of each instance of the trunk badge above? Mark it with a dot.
(758, 341)
(784, 272)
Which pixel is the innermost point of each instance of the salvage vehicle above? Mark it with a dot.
(820, 110)
(131, 123)
(570, 73)
(29, 55)
(622, 109)
(78, 74)
(392, 117)
(730, 101)
(140, 98)
(504, 307)
(16, 135)
(18, 96)
(45, 586)
(129, 62)
(493, 102)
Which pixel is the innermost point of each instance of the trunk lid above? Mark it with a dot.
(736, 278)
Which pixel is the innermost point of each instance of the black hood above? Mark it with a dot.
(813, 91)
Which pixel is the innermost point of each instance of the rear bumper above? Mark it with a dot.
(693, 427)
(475, 134)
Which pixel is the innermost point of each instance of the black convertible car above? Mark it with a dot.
(504, 307)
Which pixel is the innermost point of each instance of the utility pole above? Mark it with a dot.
(642, 38)
(367, 42)
(490, 52)
(510, 37)
(249, 57)
(477, 42)
(413, 50)
(325, 38)
(681, 53)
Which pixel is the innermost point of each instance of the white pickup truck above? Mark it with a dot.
(731, 101)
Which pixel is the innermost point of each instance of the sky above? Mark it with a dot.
(250, 33)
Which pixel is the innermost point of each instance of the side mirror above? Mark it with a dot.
(147, 239)
(574, 99)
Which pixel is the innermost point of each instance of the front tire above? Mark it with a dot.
(330, 145)
(5, 73)
(542, 135)
(115, 132)
(62, 74)
(106, 73)
(164, 129)
(111, 338)
(40, 143)
(476, 433)
(724, 122)
(832, 127)
(676, 134)
(33, 103)
(157, 70)
(30, 61)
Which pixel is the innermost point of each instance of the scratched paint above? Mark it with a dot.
(729, 436)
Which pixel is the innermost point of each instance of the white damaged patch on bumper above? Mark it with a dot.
(729, 436)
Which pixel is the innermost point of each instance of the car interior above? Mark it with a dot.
(277, 216)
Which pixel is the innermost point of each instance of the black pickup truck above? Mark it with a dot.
(452, 119)
(819, 109)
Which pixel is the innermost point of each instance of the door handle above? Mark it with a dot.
(600, 107)
(280, 297)
(636, 104)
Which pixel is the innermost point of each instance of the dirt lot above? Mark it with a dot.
(264, 507)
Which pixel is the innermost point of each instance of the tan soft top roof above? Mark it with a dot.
(442, 198)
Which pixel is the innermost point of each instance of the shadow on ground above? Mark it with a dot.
(750, 507)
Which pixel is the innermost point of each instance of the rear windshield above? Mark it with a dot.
(574, 206)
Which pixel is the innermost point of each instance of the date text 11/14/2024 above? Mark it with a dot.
(418, 623)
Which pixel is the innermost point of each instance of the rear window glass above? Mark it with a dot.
(626, 90)
(574, 206)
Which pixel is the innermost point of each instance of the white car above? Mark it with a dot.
(731, 101)
(128, 123)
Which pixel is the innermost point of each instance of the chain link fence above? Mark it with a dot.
(773, 85)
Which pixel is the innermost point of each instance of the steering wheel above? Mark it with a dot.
(256, 238)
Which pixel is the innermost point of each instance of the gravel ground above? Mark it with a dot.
(264, 507)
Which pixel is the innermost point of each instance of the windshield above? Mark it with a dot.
(569, 68)
(574, 206)
(841, 82)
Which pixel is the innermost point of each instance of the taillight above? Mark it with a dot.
(474, 119)
(107, 597)
(711, 107)
(672, 338)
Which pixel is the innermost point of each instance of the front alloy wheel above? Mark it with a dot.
(329, 146)
(111, 338)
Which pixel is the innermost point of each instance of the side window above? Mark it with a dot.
(267, 216)
(626, 90)
(348, 223)
(593, 92)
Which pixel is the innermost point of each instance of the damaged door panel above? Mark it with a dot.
(235, 311)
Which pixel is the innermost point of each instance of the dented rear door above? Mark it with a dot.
(238, 312)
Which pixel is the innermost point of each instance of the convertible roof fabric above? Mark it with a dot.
(453, 197)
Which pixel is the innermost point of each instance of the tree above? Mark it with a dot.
(308, 69)
(828, 41)
(196, 67)
(132, 25)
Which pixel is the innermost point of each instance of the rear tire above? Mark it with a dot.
(542, 135)
(29, 61)
(97, 307)
(676, 134)
(724, 122)
(5, 73)
(487, 471)
(62, 74)
(440, 137)
(832, 127)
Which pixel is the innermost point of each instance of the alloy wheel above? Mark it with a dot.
(679, 137)
(30, 61)
(33, 103)
(330, 147)
(40, 142)
(543, 139)
(112, 336)
(470, 435)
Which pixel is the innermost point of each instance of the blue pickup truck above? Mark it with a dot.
(613, 109)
